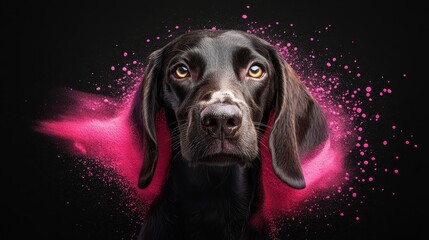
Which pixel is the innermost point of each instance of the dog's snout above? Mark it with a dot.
(221, 120)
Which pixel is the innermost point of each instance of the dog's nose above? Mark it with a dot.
(221, 120)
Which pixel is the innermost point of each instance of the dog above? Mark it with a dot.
(218, 89)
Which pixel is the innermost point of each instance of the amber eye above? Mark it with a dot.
(181, 72)
(255, 71)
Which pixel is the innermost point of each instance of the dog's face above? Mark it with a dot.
(220, 87)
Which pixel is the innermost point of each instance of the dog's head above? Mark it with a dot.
(218, 89)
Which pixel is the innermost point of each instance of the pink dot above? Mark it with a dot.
(377, 116)
(359, 138)
(407, 142)
(134, 62)
(389, 90)
(128, 72)
(277, 23)
(370, 179)
(176, 27)
(328, 64)
(244, 16)
(295, 48)
(124, 69)
(358, 75)
(362, 153)
(373, 158)
(247, 6)
(98, 88)
(346, 67)
(365, 145)
(342, 214)
(360, 129)
(157, 38)
(363, 115)
(365, 162)
(112, 68)
(368, 89)
(214, 28)
(367, 94)
(404, 75)
(354, 194)
(359, 110)
(396, 171)
(357, 218)
(393, 127)
(334, 59)
(125, 54)
(148, 40)
(291, 24)
(384, 143)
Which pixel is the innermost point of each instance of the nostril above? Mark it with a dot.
(232, 122)
(209, 122)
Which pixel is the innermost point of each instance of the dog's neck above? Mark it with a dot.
(216, 199)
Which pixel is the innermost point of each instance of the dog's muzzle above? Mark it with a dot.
(221, 120)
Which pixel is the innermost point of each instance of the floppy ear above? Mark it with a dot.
(146, 104)
(299, 125)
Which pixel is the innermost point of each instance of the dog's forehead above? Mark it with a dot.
(223, 43)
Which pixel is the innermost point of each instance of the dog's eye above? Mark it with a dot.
(181, 72)
(255, 71)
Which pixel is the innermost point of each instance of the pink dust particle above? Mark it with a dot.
(359, 110)
(368, 89)
(363, 115)
(148, 40)
(98, 88)
(381, 94)
(362, 153)
(295, 48)
(342, 214)
(377, 116)
(389, 90)
(370, 179)
(134, 62)
(346, 67)
(176, 27)
(415, 145)
(385, 143)
(157, 38)
(407, 142)
(311, 39)
(247, 6)
(385, 170)
(373, 158)
(291, 25)
(404, 75)
(288, 44)
(354, 194)
(397, 157)
(112, 68)
(334, 59)
(277, 23)
(125, 54)
(367, 94)
(124, 69)
(360, 129)
(365, 145)
(396, 171)
(357, 218)
(128, 73)
(328, 64)
(393, 127)
(244, 16)
(358, 75)
(359, 138)
(365, 162)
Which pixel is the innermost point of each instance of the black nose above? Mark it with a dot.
(221, 120)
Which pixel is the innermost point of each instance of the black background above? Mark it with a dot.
(61, 43)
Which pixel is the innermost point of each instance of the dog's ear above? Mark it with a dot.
(299, 125)
(147, 103)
